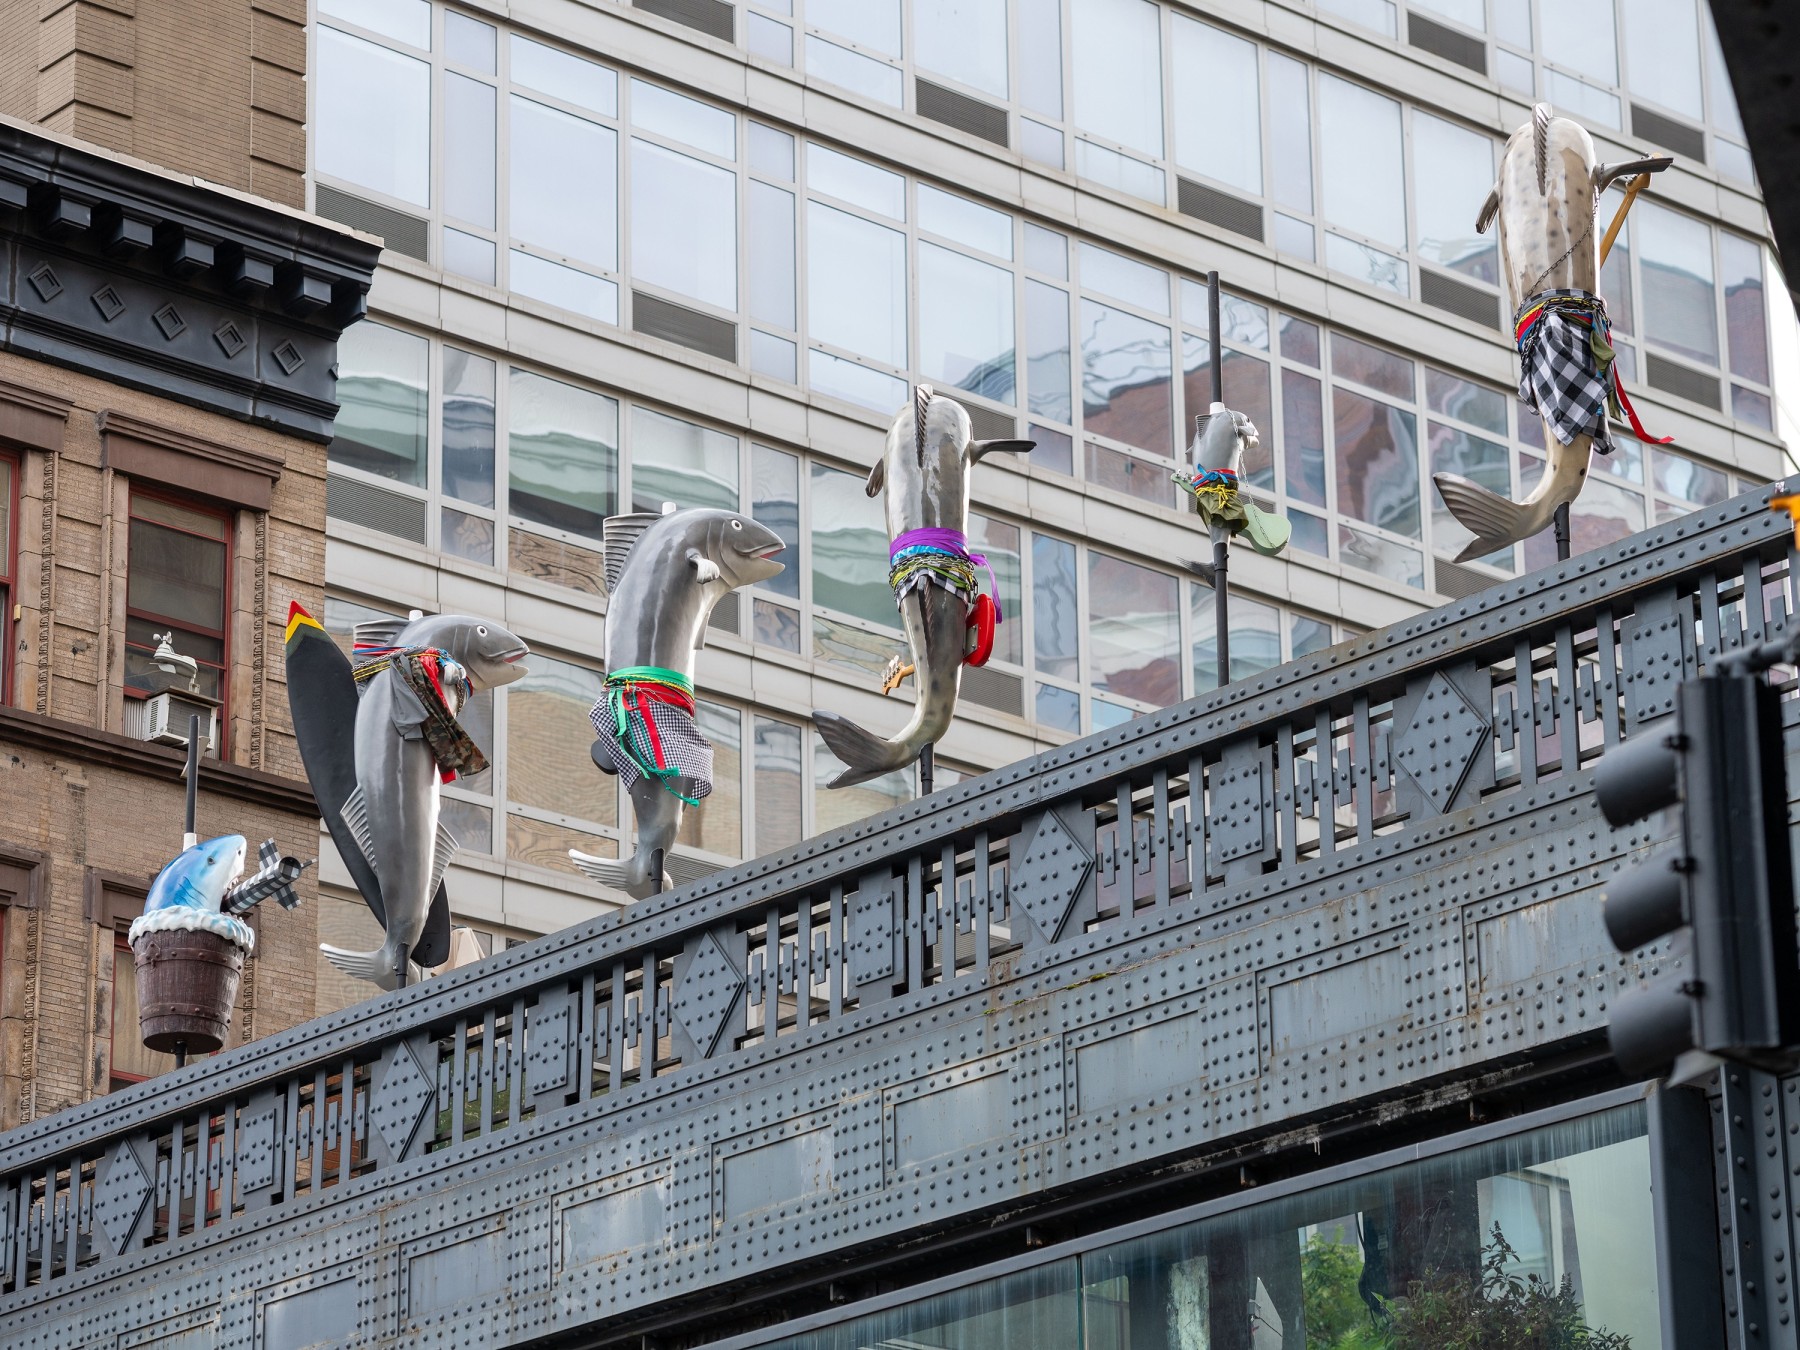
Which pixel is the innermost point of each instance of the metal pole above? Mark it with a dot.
(925, 770)
(1221, 540)
(656, 871)
(1562, 533)
(192, 773)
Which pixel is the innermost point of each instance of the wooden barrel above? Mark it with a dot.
(187, 986)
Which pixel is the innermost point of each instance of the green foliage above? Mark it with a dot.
(1445, 1310)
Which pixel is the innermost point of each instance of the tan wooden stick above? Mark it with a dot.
(1632, 189)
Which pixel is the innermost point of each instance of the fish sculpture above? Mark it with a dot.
(190, 892)
(1222, 438)
(664, 574)
(1545, 199)
(377, 738)
(924, 473)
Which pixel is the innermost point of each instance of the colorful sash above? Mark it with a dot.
(425, 671)
(645, 721)
(1568, 370)
(938, 558)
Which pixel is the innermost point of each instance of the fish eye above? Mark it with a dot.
(480, 630)
(737, 524)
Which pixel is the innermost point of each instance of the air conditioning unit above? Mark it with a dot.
(163, 718)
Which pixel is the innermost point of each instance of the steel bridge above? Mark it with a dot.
(1337, 906)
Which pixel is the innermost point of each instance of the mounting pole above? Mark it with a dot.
(1562, 532)
(925, 770)
(1221, 539)
(192, 773)
(656, 871)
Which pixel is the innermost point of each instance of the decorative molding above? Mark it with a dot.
(111, 898)
(259, 635)
(32, 419)
(46, 573)
(72, 740)
(228, 473)
(222, 301)
(36, 867)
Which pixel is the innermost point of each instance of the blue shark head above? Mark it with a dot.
(199, 878)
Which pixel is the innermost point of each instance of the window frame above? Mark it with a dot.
(227, 516)
(9, 572)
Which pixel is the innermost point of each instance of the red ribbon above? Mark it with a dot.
(1631, 412)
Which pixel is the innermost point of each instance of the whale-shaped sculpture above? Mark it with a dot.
(925, 474)
(664, 574)
(1545, 199)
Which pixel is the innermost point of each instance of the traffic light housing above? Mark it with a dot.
(1724, 889)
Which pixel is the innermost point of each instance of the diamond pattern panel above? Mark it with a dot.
(120, 1196)
(1050, 875)
(707, 994)
(401, 1100)
(1440, 746)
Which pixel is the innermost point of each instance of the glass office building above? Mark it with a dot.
(699, 252)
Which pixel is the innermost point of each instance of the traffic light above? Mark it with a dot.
(1725, 887)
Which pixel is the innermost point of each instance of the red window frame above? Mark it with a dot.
(223, 634)
(9, 567)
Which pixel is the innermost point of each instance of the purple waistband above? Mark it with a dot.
(948, 541)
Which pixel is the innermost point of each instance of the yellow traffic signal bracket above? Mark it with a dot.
(1790, 504)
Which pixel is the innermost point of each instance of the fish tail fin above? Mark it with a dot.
(631, 876)
(867, 754)
(1495, 521)
(377, 967)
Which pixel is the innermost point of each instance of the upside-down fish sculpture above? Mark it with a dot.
(664, 574)
(1546, 199)
(376, 739)
(1221, 440)
(925, 473)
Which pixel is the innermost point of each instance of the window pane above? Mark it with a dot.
(1681, 477)
(1721, 98)
(563, 445)
(1046, 251)
(209, 524)
(1054, 450)
(6, 491)
(966, 323)
(1216, 86)
(1303, 437)
(772, 255)
(1125, 377)
(771, 152)
(1382, 557)
(1058, 708)
(772, 356)
(1124, 279)
(1615, 276)
(960, 219)
(837, 807)
(564, 184)
(858, 183)
(1377, 14)
(381, 393)
(467, 255)
(849, 549)
(1290, 134)
(1118, 71)
(1127, 173)
(1452, 167)
(684, 119)
(1662, 54)
(856, 284)
(372, 124)
(775, 502)
(1482, 461)
(1377, 462)
(1255, 637)
(554, 284)
(1602, 515)
(1047, 351)
(1468, 12)
(1300, 340)
(1246, 390)
(1581, 37)
(1752, 407)
(998, 542)
(683, 224)
(1675, 261)
(776, 803)
(1134, 630)
(465, 536)
(964, 39)
(178, 577)
(469, 41)
(1353, 360)
(676, 461)
(1486, 408)
(1041, 56)
(1307, 636)
(566, 77)
(858, 73)
(469, 150)
(131, 1058)
(468, 467)
(1360, 161)
(406, 21)
(1572, 97)
(843, 379)
(1746, 320)
(717, 824)
(547, 762)
(1055, 616)
(869, 23)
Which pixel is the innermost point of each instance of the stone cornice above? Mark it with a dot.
(107, 749)
(228, 472)
(169, 285)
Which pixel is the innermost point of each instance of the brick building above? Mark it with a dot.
(167, 387)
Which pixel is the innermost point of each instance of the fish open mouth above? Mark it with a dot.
(768, 552)
(516, 654)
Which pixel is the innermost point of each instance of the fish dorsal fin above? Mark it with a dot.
(379, 632)
(1540, 145)
(617, 536)
(444, 850)
(356, 816)
(921, 408)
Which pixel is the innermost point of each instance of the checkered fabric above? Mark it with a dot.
(273, 880)
(672, 731)
(1565, 363)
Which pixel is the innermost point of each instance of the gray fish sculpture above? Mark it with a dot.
(664, 574)
(1545, 200)
(925, 475)
(415, 677)
(1222, 438)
